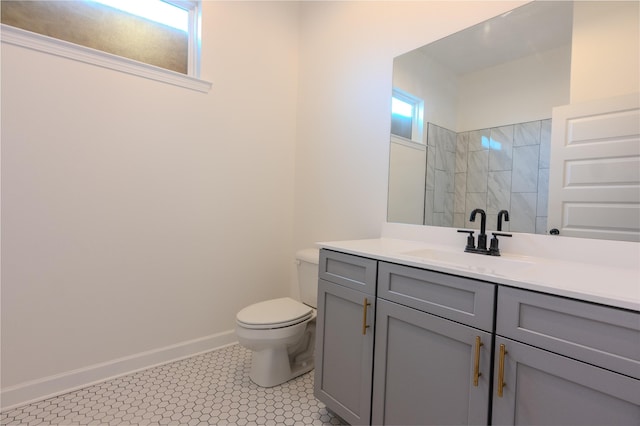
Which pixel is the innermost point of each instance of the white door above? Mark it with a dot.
(594, 179)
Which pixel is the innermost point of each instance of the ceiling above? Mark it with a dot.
(535, 27)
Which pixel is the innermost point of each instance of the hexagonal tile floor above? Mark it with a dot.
(208, 389)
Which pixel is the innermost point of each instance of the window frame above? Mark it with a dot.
(38, 42)
(417, 120)
(195, 18)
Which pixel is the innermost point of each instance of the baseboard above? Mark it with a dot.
(47, 387)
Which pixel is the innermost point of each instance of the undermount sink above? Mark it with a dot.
(502, 265)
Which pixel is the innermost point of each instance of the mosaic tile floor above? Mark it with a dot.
(209, 389)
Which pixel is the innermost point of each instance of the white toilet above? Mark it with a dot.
(281, 332)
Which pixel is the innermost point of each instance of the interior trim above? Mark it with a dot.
(58, 384)
(53, 46)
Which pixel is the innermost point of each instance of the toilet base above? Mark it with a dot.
(274, 366)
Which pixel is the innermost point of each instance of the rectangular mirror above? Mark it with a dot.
(471, 120)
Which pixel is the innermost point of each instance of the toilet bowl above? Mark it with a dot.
(281, 332)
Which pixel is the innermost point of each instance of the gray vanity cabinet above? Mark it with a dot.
(538, 378)
(431, 369)
(344, 335)
(454, 350)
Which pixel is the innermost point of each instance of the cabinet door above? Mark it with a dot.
(354, 272)
(344, 351)
(544, 388)
(425, 368)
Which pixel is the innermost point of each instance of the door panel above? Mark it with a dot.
(425, 368)
(594, 179)
(543, 388)
(344, 355)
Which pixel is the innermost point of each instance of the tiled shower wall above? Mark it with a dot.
(502, 168)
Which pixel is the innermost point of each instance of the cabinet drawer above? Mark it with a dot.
(600, 335)
(358, 273)
(459, 299)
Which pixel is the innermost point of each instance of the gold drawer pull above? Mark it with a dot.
(501, 383)
(476, 362)
(364, 316)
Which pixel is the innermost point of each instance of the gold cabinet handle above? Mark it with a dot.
(364, 315)
(501, 383)
(476, 362)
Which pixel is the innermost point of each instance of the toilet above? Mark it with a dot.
(281, 332)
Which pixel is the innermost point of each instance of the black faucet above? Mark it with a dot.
(501, 214)
(482, 238)
(481, 248)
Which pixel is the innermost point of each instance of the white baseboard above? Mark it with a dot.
(47, 387)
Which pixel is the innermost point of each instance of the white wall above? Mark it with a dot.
(606, 50)
(407, 170)
(346, 60)
(518, 91)
(138, 215)
(420, 75)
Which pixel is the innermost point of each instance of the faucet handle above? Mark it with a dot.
(493, 247)
(471, 242)
(500, 234)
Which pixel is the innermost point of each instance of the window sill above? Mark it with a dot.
(407, 142)
(41, 43)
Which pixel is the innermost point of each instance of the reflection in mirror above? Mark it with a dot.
(483, 98)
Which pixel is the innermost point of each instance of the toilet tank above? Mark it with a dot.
(307, 261)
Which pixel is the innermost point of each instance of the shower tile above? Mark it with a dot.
(448, 209)
(475, 200)
(462, 147)
(428, 207)
(444, 185)
(459, 220)
(440, 158)
(431, 168)
(479, 140)
(525, 168)
(449, 140)
(523, 212)
(432, 134)
(527, 133)
(492, 219)
(545, 144)
(499, 191)
(477, 170)
(445, 160)
(543, 192)
(501, 148)
(460, 186)
(450, 162)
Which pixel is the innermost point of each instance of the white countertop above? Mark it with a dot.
(613, 283)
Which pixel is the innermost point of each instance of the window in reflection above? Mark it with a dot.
(406, 116)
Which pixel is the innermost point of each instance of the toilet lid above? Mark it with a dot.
(274, 313)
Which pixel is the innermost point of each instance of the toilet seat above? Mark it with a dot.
(275, 313)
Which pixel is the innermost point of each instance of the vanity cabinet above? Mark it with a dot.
(455, 350)
(433, 348)
(344, 334)
(562, 361)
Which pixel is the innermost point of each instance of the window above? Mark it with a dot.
(153, 10)
(112, 26)
(406, 116)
